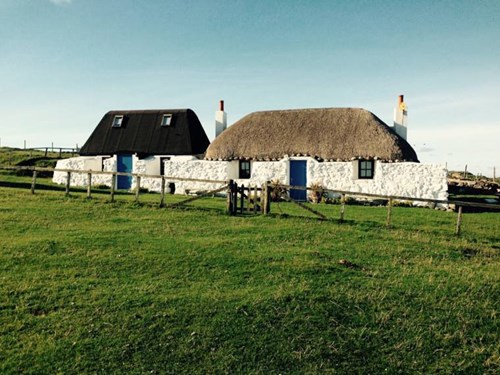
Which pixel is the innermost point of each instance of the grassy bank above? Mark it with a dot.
(89, 286)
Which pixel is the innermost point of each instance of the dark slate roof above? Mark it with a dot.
(141, 132)
(333, 134)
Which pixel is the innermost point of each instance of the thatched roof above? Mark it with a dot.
(141, 133)
(334, 134)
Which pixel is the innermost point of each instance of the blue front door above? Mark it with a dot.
(298, 177)
(124, 164)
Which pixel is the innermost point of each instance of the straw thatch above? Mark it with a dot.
(334, 134)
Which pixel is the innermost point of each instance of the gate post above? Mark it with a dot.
(242, 197)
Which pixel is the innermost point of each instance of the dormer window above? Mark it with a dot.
(117, 121)
(166, 120)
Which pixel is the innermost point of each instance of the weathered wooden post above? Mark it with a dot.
(459, 221)
(242, 198)
(68, 182)
(235, 198)
(137, 188)
(229, 198)
(266, 201)
(389, 209)
(255, 191)
(113, 186)
(248, 198)
(162, 199)
(60, 152)
(33, 183)
(342, 208)
(89, 185)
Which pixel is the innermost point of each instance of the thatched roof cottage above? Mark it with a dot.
(325, 134)
(348, 149)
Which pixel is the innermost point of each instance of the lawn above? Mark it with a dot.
(89, 286)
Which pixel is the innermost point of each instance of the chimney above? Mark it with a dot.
(400, 117)
(220, 119)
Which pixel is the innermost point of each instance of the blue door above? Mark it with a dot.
(124, 164)
(298, 177)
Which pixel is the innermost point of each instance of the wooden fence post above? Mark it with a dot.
(242, 197)
(459, 221)
(229, 198)
(266, 198)
(113, 185)
(68, 182)
(162, 199)
(249, 198)
(235, 198)
(389, 209)
(89, 185)
(342, 208)
(255, 199)
(138, 188)
(33, 183)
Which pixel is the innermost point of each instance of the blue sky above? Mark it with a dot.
(64, 63)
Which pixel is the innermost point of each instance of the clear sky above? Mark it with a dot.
(64, 63)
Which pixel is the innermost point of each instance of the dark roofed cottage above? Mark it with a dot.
(148, 132)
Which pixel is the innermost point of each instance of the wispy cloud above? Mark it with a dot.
(61, 2)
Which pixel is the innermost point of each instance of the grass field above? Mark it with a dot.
(89, 286)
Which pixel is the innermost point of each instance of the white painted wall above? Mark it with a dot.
(85, 163)
(399, 179)
(197, 169)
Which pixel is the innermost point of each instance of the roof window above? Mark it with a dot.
(166, 120)
(117, 121)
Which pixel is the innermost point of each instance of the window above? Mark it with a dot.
(117, 121)
(366, 169)
(166, 120)
(244, 171)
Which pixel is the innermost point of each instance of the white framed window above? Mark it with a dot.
(117, 121)
(166, 119)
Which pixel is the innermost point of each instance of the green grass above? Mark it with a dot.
(89, 286)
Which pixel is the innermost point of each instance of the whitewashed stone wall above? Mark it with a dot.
(197, 169)
(399, 179)
(90, 163)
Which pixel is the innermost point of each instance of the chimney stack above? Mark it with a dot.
(401, 118)
(220, 119)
